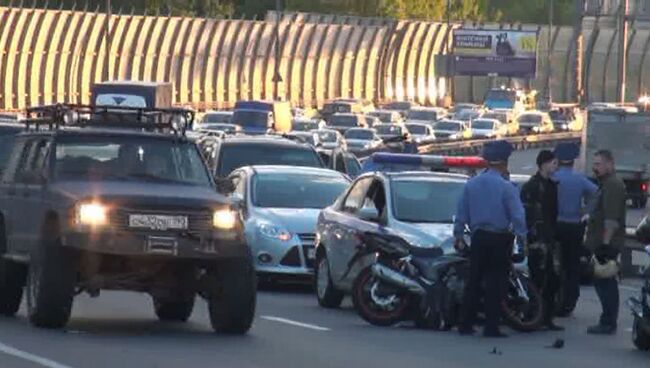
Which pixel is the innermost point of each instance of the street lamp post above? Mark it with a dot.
(549, 69)
(277, 78)
(448, 51)
(107, 39)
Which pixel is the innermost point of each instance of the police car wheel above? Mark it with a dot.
(174, 310)
(232, 296)
(640, 337)
(50, 285)
(326, 293)
(12, 280)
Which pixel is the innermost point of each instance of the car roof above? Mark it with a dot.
(286, 169)
(275, 140)
(486, 119)
(452, 121)
(363, 129)
(100, 132)
(346, 114)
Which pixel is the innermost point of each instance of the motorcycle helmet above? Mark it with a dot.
(605, 270)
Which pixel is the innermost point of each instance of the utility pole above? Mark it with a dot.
(450, 77)
(277, 78)
(107, 39)
(549, 59)
(623, 13)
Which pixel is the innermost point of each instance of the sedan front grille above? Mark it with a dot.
(308, 241)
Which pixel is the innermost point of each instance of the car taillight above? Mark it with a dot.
(644, 187)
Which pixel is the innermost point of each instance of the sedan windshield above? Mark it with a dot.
(303, 126)
(344, 121)
(530, 118)
(483, 124)
(417, 129)
(389, 129)
(234, 156)
(502, 117)
(216, 118)
(251, 118)
(284, 190)
(359, 134)
(115, 158)
(422, 115)
(425, 201)
(326, 136)
(448, 125)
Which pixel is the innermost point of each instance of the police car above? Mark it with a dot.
(418, 206)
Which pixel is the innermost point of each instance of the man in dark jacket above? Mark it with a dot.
(539, 196)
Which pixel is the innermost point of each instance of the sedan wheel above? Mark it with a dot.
(328, 296)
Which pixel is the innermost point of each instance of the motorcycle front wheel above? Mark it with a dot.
(640, 337)
(523, 308)
(376, 302)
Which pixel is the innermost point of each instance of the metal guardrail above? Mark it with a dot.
(522, 142)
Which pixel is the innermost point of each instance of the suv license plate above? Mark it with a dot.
(158, 222)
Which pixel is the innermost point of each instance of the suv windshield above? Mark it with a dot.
(251, 118)
(129, 158)
(233, 156)
(283, 190)
(344, 121)
(425, 201)
(359, 134)
(448, 125)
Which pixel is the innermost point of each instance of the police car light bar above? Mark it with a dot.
(429, 160)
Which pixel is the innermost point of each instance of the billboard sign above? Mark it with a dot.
(508, 53)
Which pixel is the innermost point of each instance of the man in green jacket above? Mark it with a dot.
(606, 237)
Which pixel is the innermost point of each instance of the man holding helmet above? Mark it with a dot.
(606, 237)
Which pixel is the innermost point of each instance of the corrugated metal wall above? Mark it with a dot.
(55, 55)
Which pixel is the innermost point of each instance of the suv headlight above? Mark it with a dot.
(275, 232)
(92, 214)
(224, 219)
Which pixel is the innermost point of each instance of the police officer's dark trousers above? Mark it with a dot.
(570, 235)
(543, 275)
(489, 265)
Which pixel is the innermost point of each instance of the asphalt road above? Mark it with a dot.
(120, 330)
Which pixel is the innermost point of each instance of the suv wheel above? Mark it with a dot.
(50, 285)
(174, 310)
(12, 281)
(326, 293)
(232, 296)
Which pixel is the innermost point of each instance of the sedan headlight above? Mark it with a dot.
(275, 232)
(453, 136)
(536, 129)
(224, 219)
(92, 214)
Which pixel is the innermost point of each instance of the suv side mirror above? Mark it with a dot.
(369, 214)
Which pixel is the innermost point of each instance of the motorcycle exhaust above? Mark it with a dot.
(386, 274)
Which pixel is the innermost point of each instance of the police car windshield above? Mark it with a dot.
(129, 159)
(425, 200)
(283, 190)
(422, 115)
(359, 134)
(448, 125)
(234, 156)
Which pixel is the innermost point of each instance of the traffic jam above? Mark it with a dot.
(126, 194)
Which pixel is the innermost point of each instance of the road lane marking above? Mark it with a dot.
(30, 357)
(295, 323)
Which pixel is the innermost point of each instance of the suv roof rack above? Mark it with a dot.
(175, 120)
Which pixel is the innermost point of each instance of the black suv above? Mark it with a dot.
(99, 200)
(230, 153)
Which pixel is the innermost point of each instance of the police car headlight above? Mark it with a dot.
(274, 232)
(224, 219)
(91, 214)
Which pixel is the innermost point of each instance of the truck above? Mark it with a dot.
(516, 100)
(158, 95)
(627, 135)
(260, 117)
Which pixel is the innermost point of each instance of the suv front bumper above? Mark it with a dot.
(215, 245)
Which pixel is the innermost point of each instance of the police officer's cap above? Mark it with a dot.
(567, 151)
(497, 151)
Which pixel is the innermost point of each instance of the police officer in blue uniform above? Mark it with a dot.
(490, 206)
(575, 194)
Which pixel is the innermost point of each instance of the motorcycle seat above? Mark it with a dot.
(426, 252)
